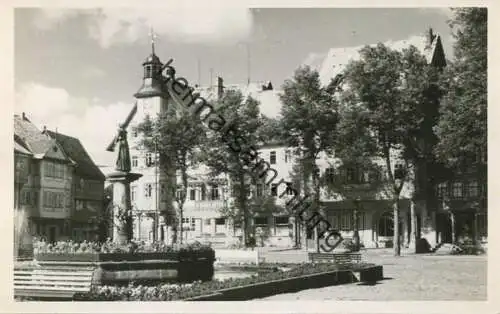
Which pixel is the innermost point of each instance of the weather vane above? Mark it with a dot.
(153, 36)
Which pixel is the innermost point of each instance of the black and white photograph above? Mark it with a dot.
(234, 153)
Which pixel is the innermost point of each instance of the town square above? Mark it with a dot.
(174, 155)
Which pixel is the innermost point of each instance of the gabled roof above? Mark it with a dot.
(336, 59)
(20, 147)
(85, 166)
(35, 141)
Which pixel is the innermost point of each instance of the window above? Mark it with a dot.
(203, 192)
(149, 160)
(178, 194)
(148, 190)
(329, 174)
(399, 172)
(289, 189)
(133, 193)
(281, 220)
(274, 189)
(80, 205)
(457, 190)
(260, 221)
(215, 192)
(135, 161)
(134, 133)
(346, 220)
(473, 189)
(207, 222)
(220, 221)
(288, 156)
(258, 189)
(192, 194)
(272, 157)
(54, 170)
(442, 190)
(386, 225)
(350, 176)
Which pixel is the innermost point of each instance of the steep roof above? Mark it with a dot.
(335, 60)
(20, 146)
(37, 142)
(85, 166)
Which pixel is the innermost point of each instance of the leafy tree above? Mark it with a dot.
(309, 116)
(390, 89)
(177, 138)
(224, 156)
(462, 127)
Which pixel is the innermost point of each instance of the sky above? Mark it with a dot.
(77, 70)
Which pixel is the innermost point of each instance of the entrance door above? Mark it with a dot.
(444, 227)
(52, 234)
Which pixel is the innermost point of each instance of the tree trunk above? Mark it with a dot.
(453, 232)
(413, 226)
(315, 177)
(242, 204)
(397, 244)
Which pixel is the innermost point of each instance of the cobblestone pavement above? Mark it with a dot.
(408, 278)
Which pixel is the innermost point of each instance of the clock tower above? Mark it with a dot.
(150, 200)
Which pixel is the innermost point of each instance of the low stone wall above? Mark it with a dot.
(290, 285)
(151, 268)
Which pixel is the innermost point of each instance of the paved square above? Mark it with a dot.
(409, 278)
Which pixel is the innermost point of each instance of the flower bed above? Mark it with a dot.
(302, 276)
(140, 262)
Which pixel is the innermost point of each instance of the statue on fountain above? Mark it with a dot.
(123, 161)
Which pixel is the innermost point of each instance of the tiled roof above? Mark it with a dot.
(84, 167)
(335, 61)
(20, 146)
(37, 142)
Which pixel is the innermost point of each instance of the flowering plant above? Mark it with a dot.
(170, 292)
(90, 247)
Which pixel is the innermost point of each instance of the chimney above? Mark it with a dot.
(44, 129)
(24, 116)
(220, 87)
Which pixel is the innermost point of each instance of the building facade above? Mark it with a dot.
(207, 199)
(47, 167)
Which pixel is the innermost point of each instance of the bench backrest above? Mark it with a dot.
(52, 281)
(335, 257)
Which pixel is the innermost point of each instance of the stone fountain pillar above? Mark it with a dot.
(122, 206)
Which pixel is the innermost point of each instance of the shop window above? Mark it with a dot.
(281, 220)
(260, 221)
(220, 221)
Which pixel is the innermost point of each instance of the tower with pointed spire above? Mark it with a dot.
(148, 194)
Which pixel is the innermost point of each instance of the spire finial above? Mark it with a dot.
(153, 36)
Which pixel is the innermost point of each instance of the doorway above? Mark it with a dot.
(52, 234)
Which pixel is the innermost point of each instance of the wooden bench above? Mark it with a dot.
(338, 258)
(54, 283)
